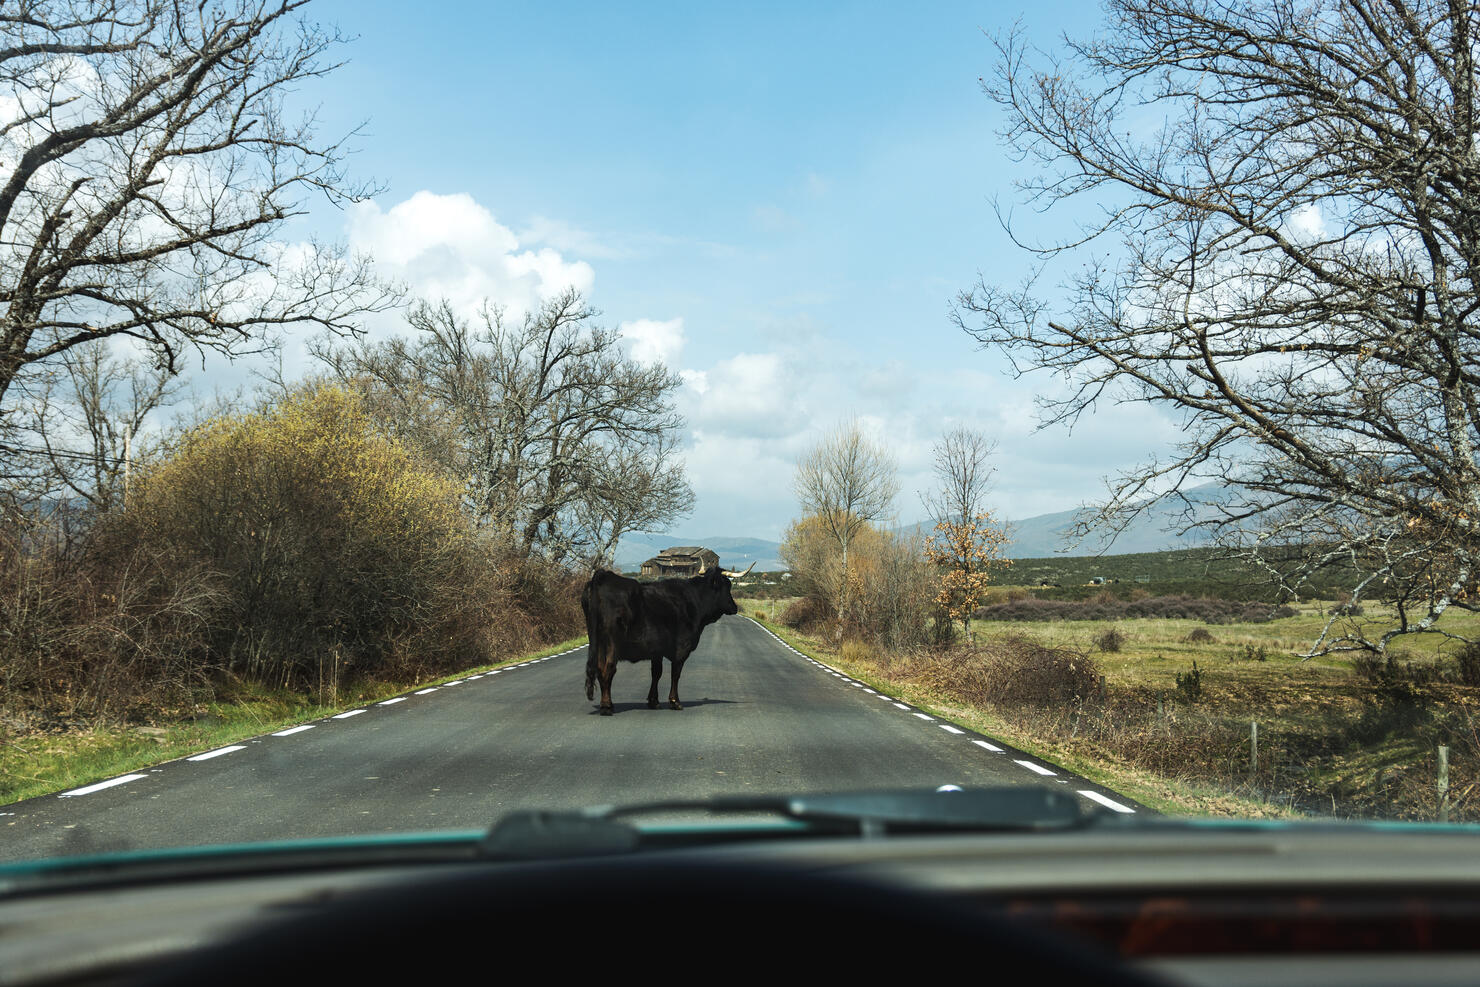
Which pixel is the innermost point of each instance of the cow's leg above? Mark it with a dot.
(606, 673)
(653, 689)
(673, 702)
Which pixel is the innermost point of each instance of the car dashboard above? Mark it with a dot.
(1171, 903)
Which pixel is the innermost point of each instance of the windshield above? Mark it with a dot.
(415, 414)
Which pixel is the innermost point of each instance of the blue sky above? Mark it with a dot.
(780, 200)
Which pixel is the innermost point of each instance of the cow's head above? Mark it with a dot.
(720, 580)
(719, 584)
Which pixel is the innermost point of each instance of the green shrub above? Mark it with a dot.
(1189, 686)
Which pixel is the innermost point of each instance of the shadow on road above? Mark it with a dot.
(688, 704)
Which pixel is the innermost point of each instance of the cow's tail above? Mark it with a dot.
(590, 672)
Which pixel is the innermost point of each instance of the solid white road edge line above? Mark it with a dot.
(100, 786)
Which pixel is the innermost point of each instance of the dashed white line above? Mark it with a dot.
(392, 702)
(217, 752)
(454, 682)
(900, 705)
(345, 716)
(1107, 803)
(1035, 767)
(101, 785)
(991, 747)
(422, 692)
(949, 729)
(292, 730)
(925, 716)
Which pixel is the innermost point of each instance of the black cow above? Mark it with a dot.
(631, 621)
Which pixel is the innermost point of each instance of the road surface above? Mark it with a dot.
(758, 718)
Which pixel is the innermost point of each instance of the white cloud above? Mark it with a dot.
(449, 246)
(651, 341)
(749, 395)
(563, 236)
(1306, 223)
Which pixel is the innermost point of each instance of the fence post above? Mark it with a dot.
(1253, 749)
(1443, 784)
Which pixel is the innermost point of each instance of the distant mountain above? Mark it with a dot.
(1032, 538)
(1154, 531)
(733, 552)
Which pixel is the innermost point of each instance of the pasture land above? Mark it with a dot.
(1197, 571)
(1337, 735)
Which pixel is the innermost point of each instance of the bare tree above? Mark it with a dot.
(1295, 190)
(89, 429)
(546, 412)
(146, 161)
(639, 487)
(846, 481)
(962, 463)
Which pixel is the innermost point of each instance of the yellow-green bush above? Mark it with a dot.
(333, 543)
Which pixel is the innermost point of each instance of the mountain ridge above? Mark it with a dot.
(1040, 536)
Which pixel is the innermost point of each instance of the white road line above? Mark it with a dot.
(455, 682)
(870, 691)
(292, 730)
(100, 786)
(1036, 767)
(1107, 803)
(948, 728)
(345, 716)
(900, 705)
(217, 752)
(392, 702)
(925, 716)
(991, 747)
(422, 692)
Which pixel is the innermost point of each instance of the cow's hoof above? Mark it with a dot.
(674, 704)
(652, 704)
(607, 711)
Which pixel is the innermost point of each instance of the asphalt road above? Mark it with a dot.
(758, 718)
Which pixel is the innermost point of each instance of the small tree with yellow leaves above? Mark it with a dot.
(966, 553)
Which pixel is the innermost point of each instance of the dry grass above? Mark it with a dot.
(1335, 738)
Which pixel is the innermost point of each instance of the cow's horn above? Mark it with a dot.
(739, 575)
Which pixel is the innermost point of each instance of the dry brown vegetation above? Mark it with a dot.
(1171, 726)
(297, 548)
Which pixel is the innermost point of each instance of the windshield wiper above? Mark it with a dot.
(601, 830)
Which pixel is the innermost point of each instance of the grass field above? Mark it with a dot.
(1198, 571)
(1335, 737)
